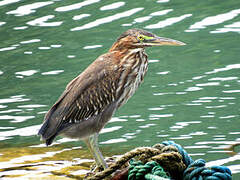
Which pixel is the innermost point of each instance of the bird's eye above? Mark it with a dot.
(141, 38)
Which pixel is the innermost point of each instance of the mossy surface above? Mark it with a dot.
(56, 162)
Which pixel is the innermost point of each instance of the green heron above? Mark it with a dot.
(90, 100)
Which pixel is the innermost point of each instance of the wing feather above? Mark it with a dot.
(86, 95)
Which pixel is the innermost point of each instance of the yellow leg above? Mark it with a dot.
(92, 144)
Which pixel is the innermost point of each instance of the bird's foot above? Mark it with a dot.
(95, 168)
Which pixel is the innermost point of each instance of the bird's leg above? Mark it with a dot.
(92, 143)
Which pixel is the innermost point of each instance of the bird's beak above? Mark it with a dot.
(160, 41)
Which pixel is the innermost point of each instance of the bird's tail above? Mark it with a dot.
(43, 132)
(52, 122)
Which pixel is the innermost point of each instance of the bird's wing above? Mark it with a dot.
(87, 95)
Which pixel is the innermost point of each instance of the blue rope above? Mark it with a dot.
(196, 170)
(187, 160)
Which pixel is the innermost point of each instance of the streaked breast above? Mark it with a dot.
(134, 68)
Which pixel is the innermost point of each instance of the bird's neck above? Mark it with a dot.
(122, 53)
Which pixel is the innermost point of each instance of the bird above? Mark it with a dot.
(91, 99)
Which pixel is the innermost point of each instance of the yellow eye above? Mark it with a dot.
(141, 38)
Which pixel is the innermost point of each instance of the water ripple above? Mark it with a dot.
(108, 19)
(30, 41)
(157, 13)
(8, 48)
(198, 77)
(168, 22)
(31, 106)
(155, 109)
(20, 28)
(181, 137)
(2, 106)
(112, 6)
(160, 115)
(116, 119)
(235, 27)
(6, 2)
(163, 73)
(92, 47)
(162, 1)
(232, 91)
(53, 72)
(142, 19)
(223, 79)
(44, 48)
(201, 101)
(75, 6)
(26, 73)
(42, 21)
(10, 111)
(215, 107)
(81, 16)
(226, 68)
(18, 98)
(25, 131)
(112, 141)
(227, 117)
(56, 45)
(2, 23)
(180, 125)
(234, 168)
(16, 119)
(209, 84)
(111, 129)
(28, 9)
(15, 162)
(193, 89)
(207, 116)
(147, 125)
(71, 56)
(213, 20)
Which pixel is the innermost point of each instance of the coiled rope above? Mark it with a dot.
(196, 170)
(167, 160)
(150, 170)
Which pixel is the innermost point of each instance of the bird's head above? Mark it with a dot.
(138, 38)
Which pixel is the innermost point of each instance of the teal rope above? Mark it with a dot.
(196, 170)
(187, 160)
(149, 171)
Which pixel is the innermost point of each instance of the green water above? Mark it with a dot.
(190, 94)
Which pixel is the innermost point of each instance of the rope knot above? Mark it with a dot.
(168, 157)
(138, 170)
(197, 170)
